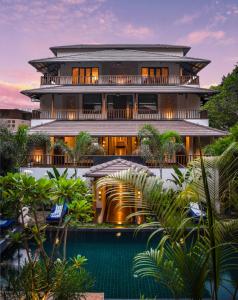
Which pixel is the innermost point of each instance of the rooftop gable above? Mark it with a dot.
(93, 47)
(115, 165)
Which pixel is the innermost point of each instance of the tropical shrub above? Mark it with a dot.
(155, 145)
(222, 107)
(44, 275)
(14, 147)
(221, 144)
(192, 257)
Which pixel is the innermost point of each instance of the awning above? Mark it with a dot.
(114, 166)
(75, 89)
(123, 128)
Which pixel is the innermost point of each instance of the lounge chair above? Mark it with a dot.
(6, 223)
(58, 211)
(196, 212)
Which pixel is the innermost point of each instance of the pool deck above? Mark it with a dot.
(94, 296)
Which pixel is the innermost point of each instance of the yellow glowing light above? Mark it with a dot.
(118, 234)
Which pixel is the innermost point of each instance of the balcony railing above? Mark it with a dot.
(119, 114)
(87, 162)
(120, 80)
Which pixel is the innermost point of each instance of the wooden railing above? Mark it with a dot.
(121, 80)
(65, 161)
(119, 114)
(71, 114)
(144, 114)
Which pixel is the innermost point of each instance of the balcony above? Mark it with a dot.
(120, 80)
(119, 114)
(92, 160)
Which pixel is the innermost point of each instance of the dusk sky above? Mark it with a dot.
(29, 27)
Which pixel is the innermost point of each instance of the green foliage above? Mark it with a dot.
(80, 210)
(181, 179)
(221, 144)
(187, 266)
(7, 151)
(56, 175)
(46, 277)
(188, 258)
(68, 190)
(14, 147)
(223, 107)
(65, 280)
(79, 261)
(84, 145)
(155, 146)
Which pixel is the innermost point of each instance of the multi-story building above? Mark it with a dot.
(13, 118)
(111, 91)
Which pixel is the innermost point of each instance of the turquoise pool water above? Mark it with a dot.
(110, 262)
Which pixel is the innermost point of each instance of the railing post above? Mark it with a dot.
(52, 106)
(104, 106)
(135, 106)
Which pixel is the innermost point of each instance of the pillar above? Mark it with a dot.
(52, 113)
(158, 107)
(189, 147)
(104, 106)
(135, 106)
(80, 104)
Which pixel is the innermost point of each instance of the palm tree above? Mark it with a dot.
(84, 145)
(204, 258)
(155, 145)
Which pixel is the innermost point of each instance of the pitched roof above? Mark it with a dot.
(114, 166)
(120, 46)
(119, 55)
(57, 89)
(123, 128)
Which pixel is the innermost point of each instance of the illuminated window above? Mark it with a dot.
(85, 75)
(75, 75)
(155, 72)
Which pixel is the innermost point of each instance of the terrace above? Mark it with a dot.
(120, 80)
(119, 114)
(64, 161)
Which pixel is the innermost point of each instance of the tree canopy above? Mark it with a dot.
(221, 144)
(223, 107)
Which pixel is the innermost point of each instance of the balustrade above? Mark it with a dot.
(121, 80)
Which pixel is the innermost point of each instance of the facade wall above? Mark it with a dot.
(13, 124)
(166, 102)
(119, 68)
(42, 172)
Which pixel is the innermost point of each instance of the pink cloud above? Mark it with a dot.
(135, 31)
(187, 19)
(10, 97)
(198, 37)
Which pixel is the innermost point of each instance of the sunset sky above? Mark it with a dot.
(29, 27)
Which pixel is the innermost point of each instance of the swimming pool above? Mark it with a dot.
(110, 254)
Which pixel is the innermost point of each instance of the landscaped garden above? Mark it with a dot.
(191, 228)
(179, 242)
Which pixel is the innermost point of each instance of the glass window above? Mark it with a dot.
(147, 103)
(144, 72)
(92, 102)
(82, 75)
(94, 75)
(155, 72)
(75, 75)
(85, 75)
